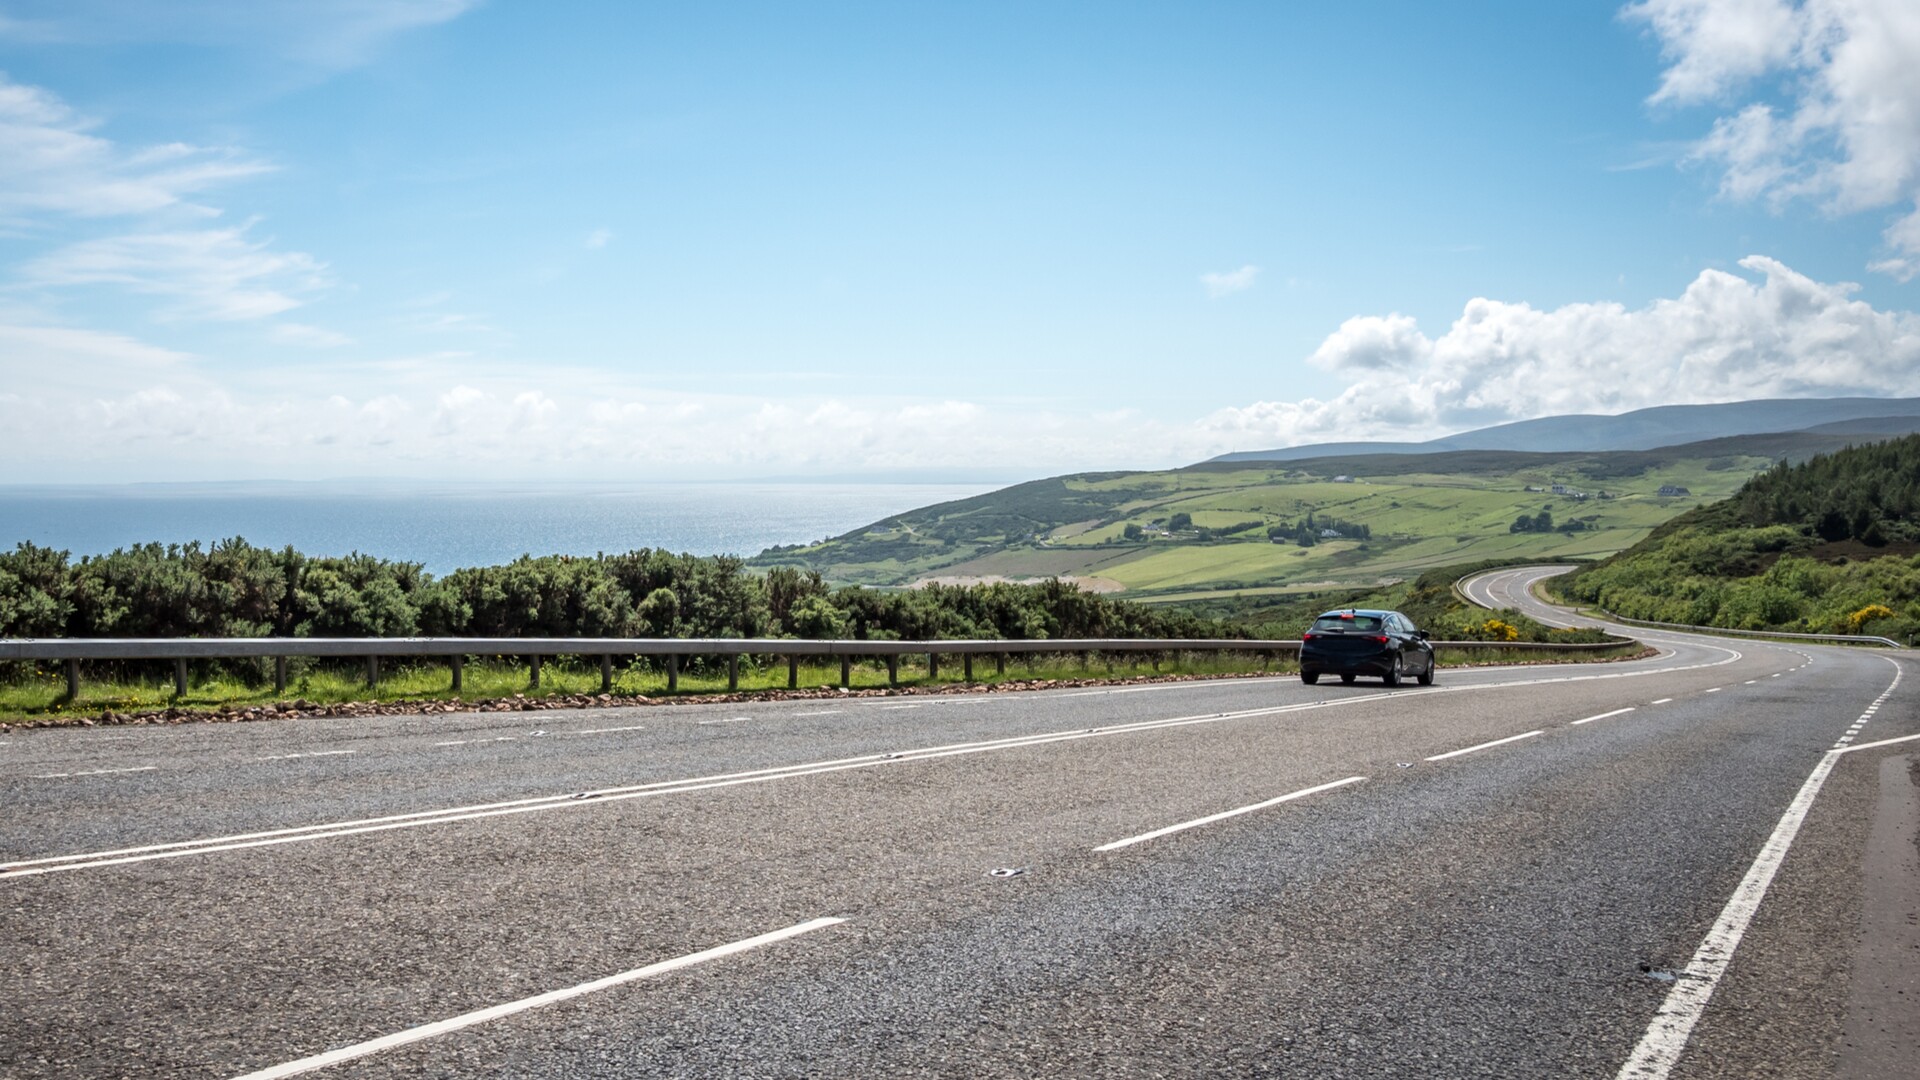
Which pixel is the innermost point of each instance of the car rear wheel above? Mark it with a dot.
(1309, 677)
(1425, 678)
(1392, 678)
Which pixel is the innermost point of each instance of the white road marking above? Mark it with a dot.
(822, 712)
(1661, 701)
(891, 707)
(605, 730)
(1775, 675)
(1602, 716)
(456, 742)
(1485, 745)
(1659, 1049)
(729, 720)
(481, 1016)
(1714, 690)
(1873, 745)
(1750, 682)
(313, 753)
(60, 863)
(1211, 818)
(94, 772)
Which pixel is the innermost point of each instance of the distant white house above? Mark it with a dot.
(1670, 491)
(1329, 534)
(1343, 479)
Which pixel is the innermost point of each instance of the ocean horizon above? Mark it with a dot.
(448, 525)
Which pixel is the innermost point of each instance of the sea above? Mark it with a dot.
(446, 526)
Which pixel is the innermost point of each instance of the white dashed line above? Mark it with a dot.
(315, 753)
(1485, 745)
(1714, 690)
(481, 1016)
(605, 730)
(729, 720)
(1661, 701)
(1222, 816)
(1602, 716)
(94, 772)
(822, 712)
(456, 742)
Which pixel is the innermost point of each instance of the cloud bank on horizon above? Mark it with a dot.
(118, 331)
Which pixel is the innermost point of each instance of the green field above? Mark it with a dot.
(1118, 531)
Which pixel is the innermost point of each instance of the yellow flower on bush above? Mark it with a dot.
(1866, 615)
(1499, 630)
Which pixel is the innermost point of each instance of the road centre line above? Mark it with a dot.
(1662, 701)
(605, 730)
(1602, 716)
(311, 753)
(1223, 815)
(1714, 690)
(822, 712)
(1666, 1036)
(481, 1016)
(270, 838)
(1485, 745)
(93, 772)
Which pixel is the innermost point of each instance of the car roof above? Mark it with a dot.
(1375, 612)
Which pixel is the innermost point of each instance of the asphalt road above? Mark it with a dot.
(1518, 872)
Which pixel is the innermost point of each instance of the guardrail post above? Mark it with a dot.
(180, 678)
(373, 672)
(933, 666)
(999, 663)
(846, 671)
(279, 674)
(606, 673)
(459, 669)
(533, 675)
(793, 673)
(966, 666)
(893, 669)
(733, 672)
(673, 672)
(73, 680)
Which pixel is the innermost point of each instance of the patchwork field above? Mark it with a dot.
(1222, 529)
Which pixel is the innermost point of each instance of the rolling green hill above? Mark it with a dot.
(1252, 528)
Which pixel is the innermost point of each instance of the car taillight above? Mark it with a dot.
(1306, 637)
(1381, 638)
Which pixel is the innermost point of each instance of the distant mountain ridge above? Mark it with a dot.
(1642, 429)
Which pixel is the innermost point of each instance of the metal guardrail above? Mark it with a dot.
(1832, 639)
(72, 651)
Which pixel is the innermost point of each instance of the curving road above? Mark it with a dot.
(1699, 864)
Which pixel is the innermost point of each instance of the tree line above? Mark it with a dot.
(234, 589)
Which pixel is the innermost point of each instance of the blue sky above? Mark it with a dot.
(432, 238)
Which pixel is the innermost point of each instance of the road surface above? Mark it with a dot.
(1651, 868)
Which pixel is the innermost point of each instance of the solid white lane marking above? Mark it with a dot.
(1485, 745)
(1661, 701)
(94, 772)
(1602, 716)
(1873, 745)
(311, 753)
(481, 1016)
(1659, 1049)
(605, 730)
(1224, 815)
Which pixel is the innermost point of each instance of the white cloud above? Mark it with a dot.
(1726, 338)
(313, 337)
(210, 273)
(1846, 135)
(54, 164)
(598, 238)
(1232, 281)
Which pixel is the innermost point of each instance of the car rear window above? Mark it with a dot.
(1362, 624)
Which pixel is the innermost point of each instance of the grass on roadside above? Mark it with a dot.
(41, 694)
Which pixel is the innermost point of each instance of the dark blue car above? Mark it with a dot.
(1354, 642)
